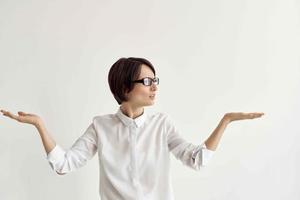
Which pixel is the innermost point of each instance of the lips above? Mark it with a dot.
(153, 95)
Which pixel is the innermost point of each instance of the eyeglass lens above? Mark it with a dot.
(149, 81)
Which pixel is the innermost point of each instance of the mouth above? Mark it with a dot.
(152, 96)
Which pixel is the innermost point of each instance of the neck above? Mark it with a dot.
(131, 111)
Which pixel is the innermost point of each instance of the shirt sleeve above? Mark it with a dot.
(85, 147)
(191, 155)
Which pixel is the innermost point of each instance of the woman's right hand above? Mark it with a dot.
(23, 117)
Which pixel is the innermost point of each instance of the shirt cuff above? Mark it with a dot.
(56, 154)
(204, 153)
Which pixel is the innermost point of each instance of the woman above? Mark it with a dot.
(133, 146)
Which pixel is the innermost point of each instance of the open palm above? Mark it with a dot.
(234, 116)
(22, 117)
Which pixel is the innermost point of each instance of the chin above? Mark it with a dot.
(149, 104)
(152, 103)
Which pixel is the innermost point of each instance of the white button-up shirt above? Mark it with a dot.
(134, 155)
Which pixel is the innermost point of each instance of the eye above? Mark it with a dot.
(147, 81)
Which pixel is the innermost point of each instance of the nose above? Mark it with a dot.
(153, 87)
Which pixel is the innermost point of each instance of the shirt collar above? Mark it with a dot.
(127, 121)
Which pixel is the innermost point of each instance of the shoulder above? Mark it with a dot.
(159, 117)
(105, 118)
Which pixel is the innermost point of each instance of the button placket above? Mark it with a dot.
(133, 155)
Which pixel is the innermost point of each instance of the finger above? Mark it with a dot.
(255, 115)
(249, 116)
(258, 114)
(24, 114)
(8, 114)
(4, 112)
(13, 116)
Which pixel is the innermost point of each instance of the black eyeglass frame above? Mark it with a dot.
(150, 80)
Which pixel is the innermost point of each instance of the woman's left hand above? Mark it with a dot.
(234, 116)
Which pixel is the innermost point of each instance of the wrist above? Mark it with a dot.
(226, 119)
(39, 123)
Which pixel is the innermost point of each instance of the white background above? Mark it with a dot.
(212, 57)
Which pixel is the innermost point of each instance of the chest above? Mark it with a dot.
(140, 146)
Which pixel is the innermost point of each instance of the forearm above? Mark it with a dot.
(47, 140)
(214, 139)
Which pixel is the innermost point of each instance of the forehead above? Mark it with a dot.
(146, 72)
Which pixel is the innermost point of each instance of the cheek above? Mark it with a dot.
(140, 92)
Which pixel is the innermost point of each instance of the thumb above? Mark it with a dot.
(21, 113)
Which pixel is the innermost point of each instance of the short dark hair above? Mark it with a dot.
(122, 73)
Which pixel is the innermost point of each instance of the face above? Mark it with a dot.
(142, 95)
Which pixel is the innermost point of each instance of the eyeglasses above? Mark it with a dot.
(148, 81)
